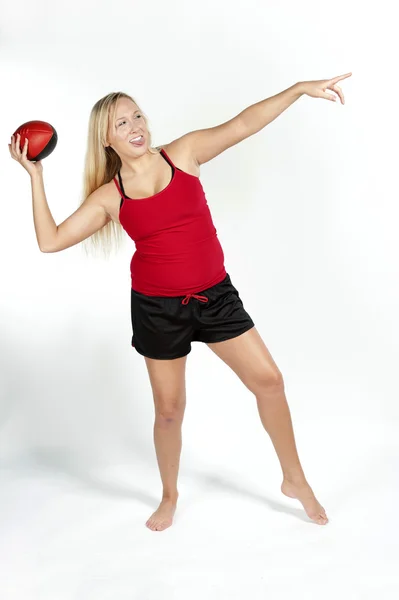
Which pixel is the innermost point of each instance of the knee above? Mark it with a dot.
(169, 410)
(267, 379)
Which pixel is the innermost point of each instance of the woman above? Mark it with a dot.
(180, 290)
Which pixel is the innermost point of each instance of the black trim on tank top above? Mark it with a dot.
(121, 184)
(123, 191)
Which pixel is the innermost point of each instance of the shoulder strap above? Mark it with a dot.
(168, 159)
(120, 185)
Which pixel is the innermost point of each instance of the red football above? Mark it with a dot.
(42, 139)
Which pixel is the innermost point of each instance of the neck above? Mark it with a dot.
(136, 166)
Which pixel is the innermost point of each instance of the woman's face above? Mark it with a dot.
(128, 124)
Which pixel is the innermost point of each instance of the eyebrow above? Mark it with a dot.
(126, 117)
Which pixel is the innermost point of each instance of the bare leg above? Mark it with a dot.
(249, 358)
(167, 379)
(276, 419)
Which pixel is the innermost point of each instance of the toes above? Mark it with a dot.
(155, 525)
(323, 514)
(322, 519)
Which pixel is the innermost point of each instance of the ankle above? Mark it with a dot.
(170, 496)
(295, 476)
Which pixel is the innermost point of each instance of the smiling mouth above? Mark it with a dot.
(136, 140)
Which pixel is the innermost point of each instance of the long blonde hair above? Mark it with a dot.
(101, 165)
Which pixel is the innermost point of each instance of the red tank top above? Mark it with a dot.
(177, 248)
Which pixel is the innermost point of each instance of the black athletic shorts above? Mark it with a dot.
(164, 327)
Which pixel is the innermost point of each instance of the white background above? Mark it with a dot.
(306, 211)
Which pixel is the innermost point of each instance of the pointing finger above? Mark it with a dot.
(336, 79)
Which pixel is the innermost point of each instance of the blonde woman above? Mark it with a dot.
(180, 289)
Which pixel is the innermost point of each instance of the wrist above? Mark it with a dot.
(299, 88)
(36, 176)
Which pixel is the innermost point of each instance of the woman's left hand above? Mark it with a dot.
(317, 89)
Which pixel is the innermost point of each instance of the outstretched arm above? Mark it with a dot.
(205, 144)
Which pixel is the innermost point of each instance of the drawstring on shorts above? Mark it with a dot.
(186, 300)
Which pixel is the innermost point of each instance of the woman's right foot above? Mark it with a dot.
(162, 518)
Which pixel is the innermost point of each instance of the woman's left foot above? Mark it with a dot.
(304, 493)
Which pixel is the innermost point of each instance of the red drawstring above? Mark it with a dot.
(186, 300)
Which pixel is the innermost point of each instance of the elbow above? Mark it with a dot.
(47, 249)
(51, 245)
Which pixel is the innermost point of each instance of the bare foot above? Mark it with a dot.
(162, 518)
(304, 493)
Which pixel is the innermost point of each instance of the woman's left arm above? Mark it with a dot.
(205, 144)
(257, 116)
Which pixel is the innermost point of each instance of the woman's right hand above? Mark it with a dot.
(33, 168)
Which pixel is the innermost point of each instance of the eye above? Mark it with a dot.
(137, 117)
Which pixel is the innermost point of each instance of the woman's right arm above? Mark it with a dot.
(86, 220)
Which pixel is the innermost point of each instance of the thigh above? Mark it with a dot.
(168, 383)
(248, 356)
